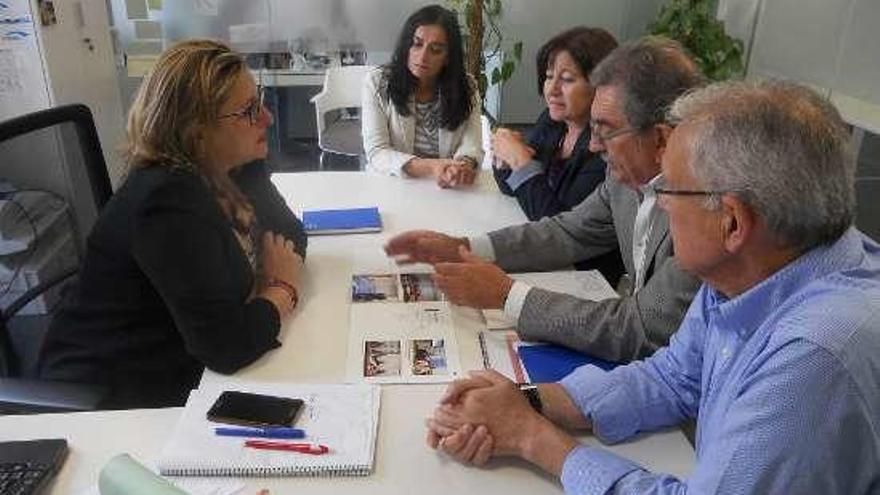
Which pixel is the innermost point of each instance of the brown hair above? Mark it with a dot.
(587, 46)
(179, 99)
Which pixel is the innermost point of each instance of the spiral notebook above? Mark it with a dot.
(343, 417)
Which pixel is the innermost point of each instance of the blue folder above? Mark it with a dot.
(548, 363)
(344, 221)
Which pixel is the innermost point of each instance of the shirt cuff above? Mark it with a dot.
(589, 470)
(516, 298)
(600, 397)
(481, 246)
(519, 177)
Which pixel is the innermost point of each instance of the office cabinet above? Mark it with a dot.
(68, 61)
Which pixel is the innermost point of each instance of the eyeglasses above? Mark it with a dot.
(659, 188)
(608, 136)
(252, 110)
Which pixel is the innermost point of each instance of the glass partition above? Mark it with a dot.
(288, 44)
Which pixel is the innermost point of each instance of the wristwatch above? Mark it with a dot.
(530, 391)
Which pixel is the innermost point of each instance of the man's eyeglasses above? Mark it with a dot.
(252, 110)
(608, 136)
(660, 188)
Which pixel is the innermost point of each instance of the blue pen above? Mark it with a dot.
(276, 432)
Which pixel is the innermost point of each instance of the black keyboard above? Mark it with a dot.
(22, 478)
(27, 467)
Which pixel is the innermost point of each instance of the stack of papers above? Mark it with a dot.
(401, 331)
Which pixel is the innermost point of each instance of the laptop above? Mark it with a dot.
(27, 467)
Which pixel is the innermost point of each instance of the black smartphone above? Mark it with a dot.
(246, 409)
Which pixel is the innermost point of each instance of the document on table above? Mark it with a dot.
(402, 343)
(394, 287)
(585, 285)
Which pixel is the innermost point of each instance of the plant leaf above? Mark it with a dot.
(496, 76)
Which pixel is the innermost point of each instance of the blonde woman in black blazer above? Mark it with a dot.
(196, 259)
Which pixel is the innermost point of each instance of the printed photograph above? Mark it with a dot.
(367, 288)
(419, 287)
(382, 358)
(428, 357)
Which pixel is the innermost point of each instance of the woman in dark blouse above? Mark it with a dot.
(551, 169)
(196, 259)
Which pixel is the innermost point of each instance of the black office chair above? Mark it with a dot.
(19, 393)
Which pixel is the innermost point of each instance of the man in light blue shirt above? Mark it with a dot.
(779, 352)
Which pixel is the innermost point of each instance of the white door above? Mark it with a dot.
(79, 64)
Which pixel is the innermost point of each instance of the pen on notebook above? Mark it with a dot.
(277, 432)
(303, 448)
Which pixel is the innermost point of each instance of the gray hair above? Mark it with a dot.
(651, 72)
(781, 148)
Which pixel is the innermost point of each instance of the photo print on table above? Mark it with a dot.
(368, 288)
(419, 287)
(382, 358)
(428, 357)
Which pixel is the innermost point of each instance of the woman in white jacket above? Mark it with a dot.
(421, 112)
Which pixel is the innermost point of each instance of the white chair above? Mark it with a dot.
(342, 89)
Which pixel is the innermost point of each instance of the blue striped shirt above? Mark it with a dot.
(785, 378)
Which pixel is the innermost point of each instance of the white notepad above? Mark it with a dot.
(343, 417)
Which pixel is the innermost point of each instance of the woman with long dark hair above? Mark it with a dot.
(421, 111)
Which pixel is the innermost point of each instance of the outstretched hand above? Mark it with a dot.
(472, 281)
(424, 246)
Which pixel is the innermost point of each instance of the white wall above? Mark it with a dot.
(534, 22)
(833, 45)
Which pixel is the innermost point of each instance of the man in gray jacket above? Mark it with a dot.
(634, 85)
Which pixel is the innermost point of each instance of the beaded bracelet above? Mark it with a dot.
(286, 287)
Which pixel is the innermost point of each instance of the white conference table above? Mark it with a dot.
(314, 350)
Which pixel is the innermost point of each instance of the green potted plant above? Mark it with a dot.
(484, 41)
(694, 25)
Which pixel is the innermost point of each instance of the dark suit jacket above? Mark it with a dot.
(561, 184)
(165, 289)
(621, 329)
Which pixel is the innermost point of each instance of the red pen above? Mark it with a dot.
(303, 448)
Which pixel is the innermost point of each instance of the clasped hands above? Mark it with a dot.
(483, 416)
(466, 279)
(451, 173)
